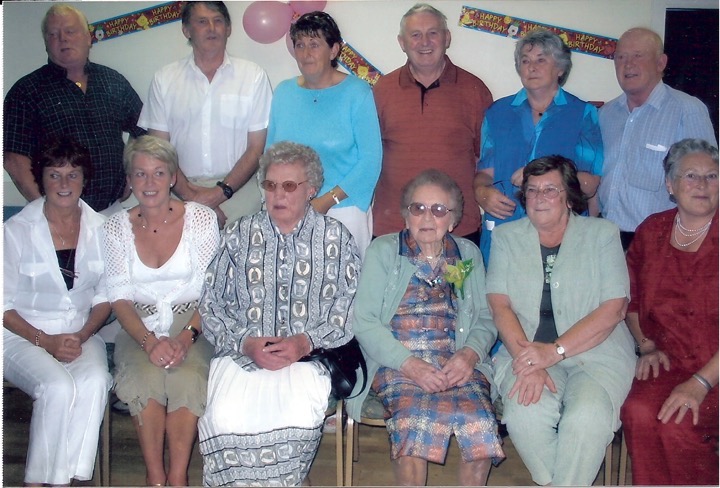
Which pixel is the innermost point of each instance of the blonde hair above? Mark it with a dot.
(62, 9)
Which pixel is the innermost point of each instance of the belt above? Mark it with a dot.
(180, 308)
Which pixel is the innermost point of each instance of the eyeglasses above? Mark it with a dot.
(695, 179)
(548, 193)
(437, 209)
(288, 186)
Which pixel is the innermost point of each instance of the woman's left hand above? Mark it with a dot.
(688, 395)
(533, 357)
(460, 367)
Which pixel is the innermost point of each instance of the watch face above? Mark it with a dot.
(560, 349)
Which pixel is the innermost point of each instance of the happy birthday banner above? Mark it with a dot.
(357, 64)
(515, 27)
(165, 13)
(135, 21)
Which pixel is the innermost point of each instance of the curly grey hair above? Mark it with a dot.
(552, 45)
(682, 148)
(441, 180)
(286, 152)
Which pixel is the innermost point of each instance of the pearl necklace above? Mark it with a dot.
(697, 233)
(691, 232)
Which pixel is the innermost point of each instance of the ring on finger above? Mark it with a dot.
(162, 360)
(687, 405)
(530, 363)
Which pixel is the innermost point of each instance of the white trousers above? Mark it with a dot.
(68, 406)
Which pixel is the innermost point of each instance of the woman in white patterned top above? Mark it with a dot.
(282, 284)
(156, 256)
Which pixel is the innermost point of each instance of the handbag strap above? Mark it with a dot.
(363, 368)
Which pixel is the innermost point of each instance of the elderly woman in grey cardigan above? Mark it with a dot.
(422, 321)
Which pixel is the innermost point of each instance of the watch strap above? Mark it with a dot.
(193, 330)
(227, 190)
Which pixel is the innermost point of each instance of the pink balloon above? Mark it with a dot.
(266, 22)
(301, 7)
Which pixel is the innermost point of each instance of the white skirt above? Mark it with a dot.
(262, 428)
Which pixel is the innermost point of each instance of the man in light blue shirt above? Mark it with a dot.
(638, 128)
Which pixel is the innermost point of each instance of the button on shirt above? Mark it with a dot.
(633, 181)
(208, 121)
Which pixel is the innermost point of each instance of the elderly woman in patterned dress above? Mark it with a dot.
(425, 340)
(282, 284)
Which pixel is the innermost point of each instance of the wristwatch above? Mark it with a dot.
(229, 192)
(560, 350)
(195, 333)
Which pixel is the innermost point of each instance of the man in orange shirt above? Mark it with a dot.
(430, 114)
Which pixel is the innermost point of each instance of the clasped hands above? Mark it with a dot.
(63, 347)
(168, 352)
(457, 371)
(529, 368)
(274, 353)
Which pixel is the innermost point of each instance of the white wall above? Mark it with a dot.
(369, 26)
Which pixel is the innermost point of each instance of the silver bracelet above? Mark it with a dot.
(703, 381)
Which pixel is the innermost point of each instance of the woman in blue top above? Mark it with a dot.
(334, 114)
(540, 120)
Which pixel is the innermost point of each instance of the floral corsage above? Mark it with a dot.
(456, 274)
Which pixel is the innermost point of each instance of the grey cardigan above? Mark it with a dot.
(384, 279)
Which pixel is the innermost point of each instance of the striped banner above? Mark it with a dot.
(515, 27)
(135, 21)
(355, 63)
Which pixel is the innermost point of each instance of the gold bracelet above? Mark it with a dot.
(145, 338)
(193, 330)
(334, 197)
(37, 337)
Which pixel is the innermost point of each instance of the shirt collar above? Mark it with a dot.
(61, 72)
(655, 100)
(521, 97)
(448, 76)
(225, 65)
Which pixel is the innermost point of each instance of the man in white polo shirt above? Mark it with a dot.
(214, 109)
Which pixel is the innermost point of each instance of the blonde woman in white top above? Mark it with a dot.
(54, 301)
(156, 256)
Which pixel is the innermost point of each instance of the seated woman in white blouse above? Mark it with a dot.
(54, 296)
(156, 256)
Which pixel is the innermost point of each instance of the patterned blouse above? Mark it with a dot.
(265, 283)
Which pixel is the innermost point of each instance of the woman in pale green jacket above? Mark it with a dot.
(425, 334)
(558, 289)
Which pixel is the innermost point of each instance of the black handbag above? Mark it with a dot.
(342, 363)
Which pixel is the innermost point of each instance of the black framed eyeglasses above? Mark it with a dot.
(437, 209)
(288, 186)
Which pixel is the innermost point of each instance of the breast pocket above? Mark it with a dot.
(34, 276)
(234, 108)
(645, 167)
